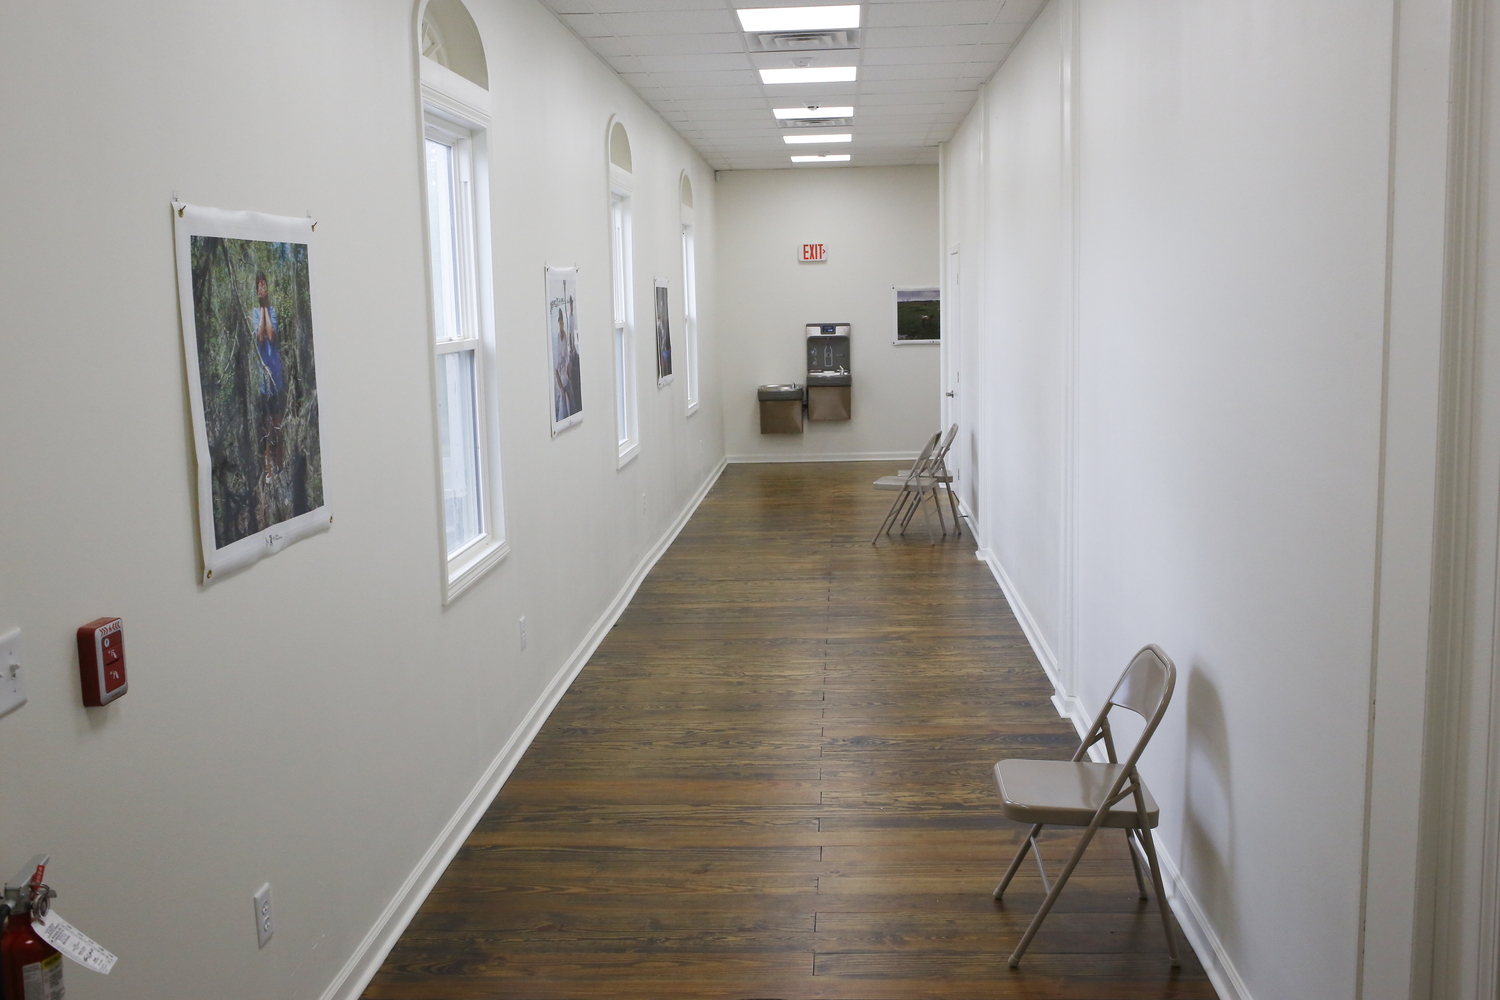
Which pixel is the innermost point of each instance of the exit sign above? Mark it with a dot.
(812, 253)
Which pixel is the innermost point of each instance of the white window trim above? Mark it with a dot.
(454, 107)
(690, 307)
(628, 438)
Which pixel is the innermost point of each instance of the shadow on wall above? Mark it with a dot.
(1208, 804)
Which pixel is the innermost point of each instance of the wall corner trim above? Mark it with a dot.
(398, 913)
(1191, 918)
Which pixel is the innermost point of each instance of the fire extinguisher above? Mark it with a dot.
(30, 968)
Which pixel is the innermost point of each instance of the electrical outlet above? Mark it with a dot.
(523, 631)
(263, 928)
(12, 692)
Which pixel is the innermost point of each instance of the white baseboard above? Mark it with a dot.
(841, 456)
(1029, 626)
(1199, 932)
(1195, 924)
(377, 944)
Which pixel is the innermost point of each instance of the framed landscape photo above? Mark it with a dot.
(918, 316)
(246, 302)
(663, 332)
(562, 340)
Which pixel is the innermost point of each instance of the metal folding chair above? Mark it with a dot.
(937, 468)
(1084, 793)
(915, 486)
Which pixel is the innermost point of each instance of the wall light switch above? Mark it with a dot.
(12, 693)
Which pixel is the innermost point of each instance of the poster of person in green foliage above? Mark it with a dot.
(248, 333)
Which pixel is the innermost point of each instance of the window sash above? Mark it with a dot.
(617, 257)
(690, 313)
(459, 440)
(622, 389)
(458, 346)
(451, 231)
(624, 332)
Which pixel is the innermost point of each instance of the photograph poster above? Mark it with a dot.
(663, 334)
(918, 316)
(247, 333)
(562, 338)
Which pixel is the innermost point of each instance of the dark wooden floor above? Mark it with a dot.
(773, 780)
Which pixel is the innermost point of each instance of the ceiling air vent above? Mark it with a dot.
(815, 122)
(795, 41)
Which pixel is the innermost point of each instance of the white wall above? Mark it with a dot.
(1179, 375)
(880, 225)
(315, 721)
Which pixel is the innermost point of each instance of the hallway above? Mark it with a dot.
(773, 780)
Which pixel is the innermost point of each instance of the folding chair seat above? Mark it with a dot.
(1094, 795)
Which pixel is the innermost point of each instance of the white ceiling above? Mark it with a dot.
(920, 66)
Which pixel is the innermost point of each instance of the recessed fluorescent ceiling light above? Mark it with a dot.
(825, 158)
(809, 74)
(792, 113)
(799, 18)
(838, 137)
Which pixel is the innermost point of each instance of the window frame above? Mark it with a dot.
(454, 111)
(622, 298)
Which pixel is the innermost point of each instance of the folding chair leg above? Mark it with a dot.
(910, 511)
(931, 538)
(958, 531)
(1161, 895)
(1135, 862)
(904, 508)
(1015, 863)
(1057, 888)
(890, 517)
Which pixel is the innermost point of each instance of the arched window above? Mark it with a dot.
(451, 39)
(689, 290)
(627, 422)
(455, 125)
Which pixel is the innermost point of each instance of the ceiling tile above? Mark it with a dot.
(700, 79)
(1019, 11)
(654, 6)
(683, 22)
(932, 12)
(945, 34)
(907, 55)
(587, 25)
(666, 45)
(724, 108)
(693, 62)
(920, 71)
(907, 86)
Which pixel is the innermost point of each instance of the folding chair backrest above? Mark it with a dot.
(942, 449)
(919, 467)
(1146, 685)
(1145, 688)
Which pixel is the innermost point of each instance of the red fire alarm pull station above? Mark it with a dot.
(101, 661)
